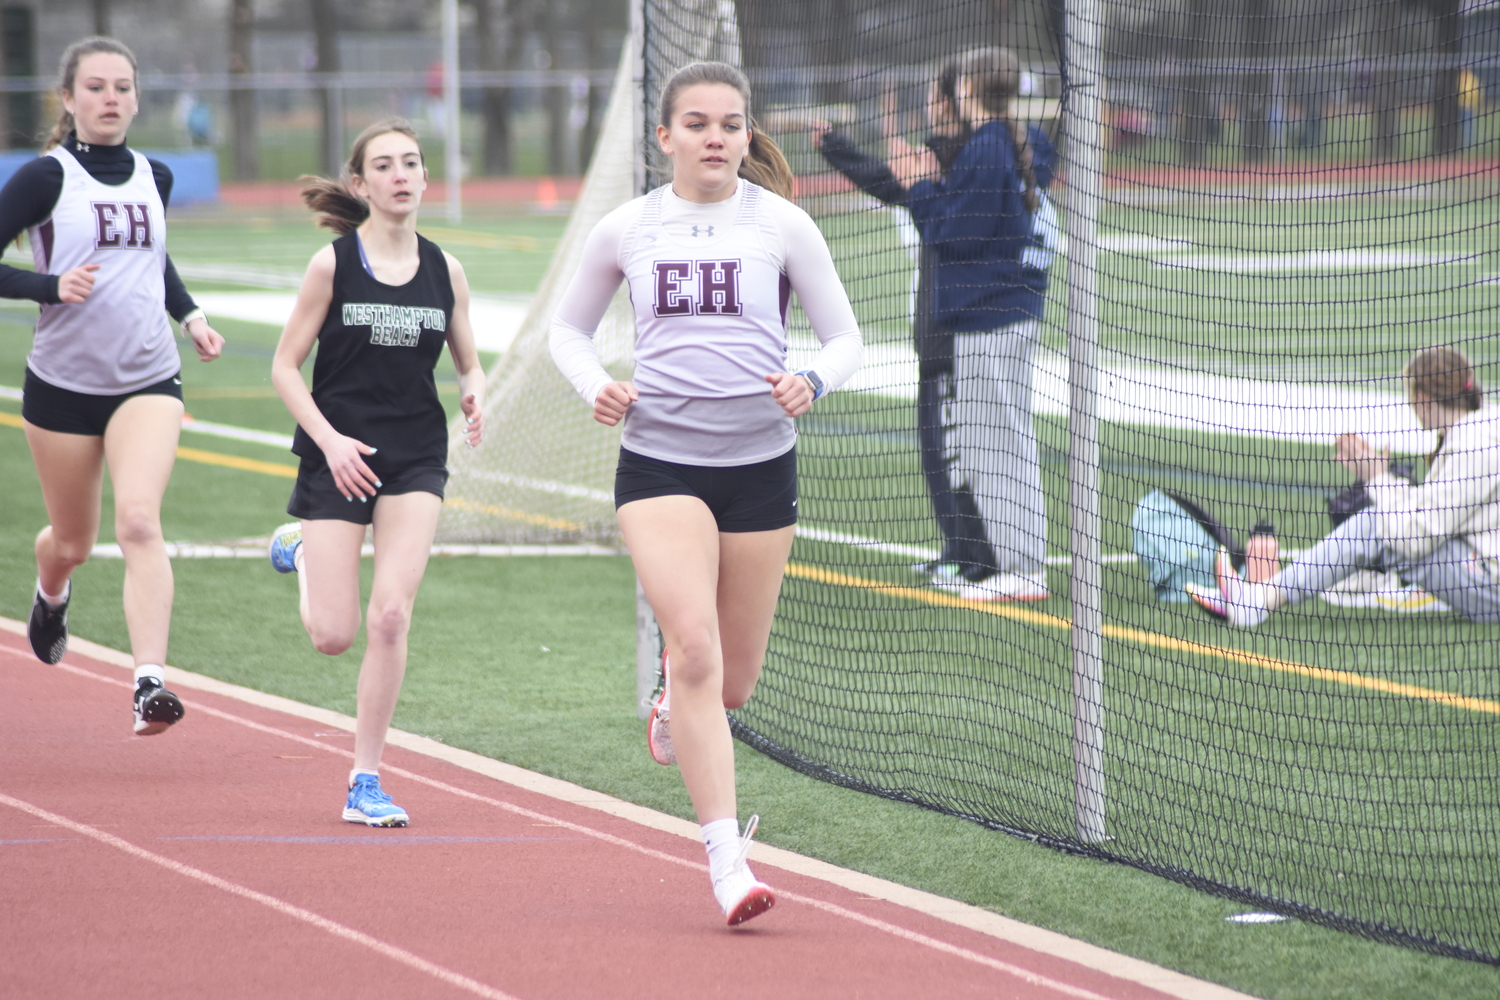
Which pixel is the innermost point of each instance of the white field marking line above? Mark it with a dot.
(196, 426)
(199, 550)
(376, 945)
(915, 937)
(951, 911)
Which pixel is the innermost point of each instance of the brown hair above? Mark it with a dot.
(994, 74)
(337, 206)
(68, 70)
(1444, 376)
(764, 163)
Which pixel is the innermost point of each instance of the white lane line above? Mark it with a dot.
(196, 426)
(376, 945)
(949, 911)
(257, 550)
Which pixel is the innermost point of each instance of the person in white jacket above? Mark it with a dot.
(1443, 535)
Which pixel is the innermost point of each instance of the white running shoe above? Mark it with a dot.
(1238, 602)
(740, 894)
(658, 728)
(1007, 587)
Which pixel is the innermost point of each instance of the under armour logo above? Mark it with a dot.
(707, 230)
(83, 147)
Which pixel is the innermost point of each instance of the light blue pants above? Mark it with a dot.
(995, 443)
(1453, 572)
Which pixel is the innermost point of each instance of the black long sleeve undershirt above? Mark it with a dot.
(31, 194)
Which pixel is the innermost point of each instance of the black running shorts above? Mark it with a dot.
(757, 497)
(67, 412)
(316, 498)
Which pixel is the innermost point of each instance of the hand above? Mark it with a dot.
(793, 392)
(819, 129)
(473, 420)
(612, 402)
(208, 342)
(74, 286)
(350, 473)
(1360, 457)
(909, 163)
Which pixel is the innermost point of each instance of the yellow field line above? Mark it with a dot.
(511, 514)
(236, 462)
(10, 419)
(1144, 638)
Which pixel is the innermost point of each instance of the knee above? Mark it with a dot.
(137, 526)
(71, 552)
(694, 659)
(332, 637)
(388, 623)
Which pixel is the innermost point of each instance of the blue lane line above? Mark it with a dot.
(378, 838)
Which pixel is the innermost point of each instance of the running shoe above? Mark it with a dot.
(284, 544)
(1410, 600)
(1237, 601)
(48, 629)
(658, 729)
(156, 708)
(948, 576)
(1007, 587)
(369, 804)
(740, 894)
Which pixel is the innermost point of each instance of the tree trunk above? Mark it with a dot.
(101, 17)
(243, 103)
(330, 100)
(1446, 132)
(489, 16)
(1385, 140)
(556, 97)
(1200, 110)
(593, 44)
(1255, 99)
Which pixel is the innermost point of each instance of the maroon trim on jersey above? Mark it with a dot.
(786, 296)
(45, 230)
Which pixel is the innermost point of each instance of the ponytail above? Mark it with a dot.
(333, 201)
(336, 207)
(68, 70)
(765, 164)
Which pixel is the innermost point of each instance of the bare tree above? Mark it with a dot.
(242, 101)
(1448, 45)
(1255, 101)
(1200, 98)
(555, 98)
(326, 33)
(101, 17)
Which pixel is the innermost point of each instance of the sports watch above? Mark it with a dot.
(815, 380)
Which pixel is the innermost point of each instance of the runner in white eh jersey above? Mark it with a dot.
(706, 490)
(103, 381)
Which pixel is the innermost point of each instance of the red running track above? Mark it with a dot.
(211, 861)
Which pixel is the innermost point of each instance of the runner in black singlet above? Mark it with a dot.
(380, 303)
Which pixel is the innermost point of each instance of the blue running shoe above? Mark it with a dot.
(284, 544)
(368, 804)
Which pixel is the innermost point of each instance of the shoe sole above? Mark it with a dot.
(665, 755)
(160, 712)
(271, 549)
(757, 901)
(355, 816)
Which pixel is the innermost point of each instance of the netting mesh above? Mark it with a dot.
(1269, 207)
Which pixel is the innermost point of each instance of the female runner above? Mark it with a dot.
(103, 381)
(706, 489)
(380, 302)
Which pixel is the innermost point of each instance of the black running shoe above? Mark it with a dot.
(156, 708)
(48, 630)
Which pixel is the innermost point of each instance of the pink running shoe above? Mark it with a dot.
(658, 729)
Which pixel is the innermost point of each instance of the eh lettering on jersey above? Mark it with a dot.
(697, 288)
(394, 326)
(120, 226)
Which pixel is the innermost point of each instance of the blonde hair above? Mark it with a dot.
(994, 76)
(1444, 376)
(764, 162)
(336, 205)
(68, 70)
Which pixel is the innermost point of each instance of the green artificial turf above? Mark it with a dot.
(529, 661)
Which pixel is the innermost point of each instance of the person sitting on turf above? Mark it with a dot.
(1443, 535)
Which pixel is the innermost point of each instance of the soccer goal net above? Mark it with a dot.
(1256, 214)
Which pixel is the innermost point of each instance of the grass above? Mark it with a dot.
(528, 661)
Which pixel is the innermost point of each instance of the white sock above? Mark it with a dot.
(722, 838)
(54, 602)
(150, 670)
(361, 770)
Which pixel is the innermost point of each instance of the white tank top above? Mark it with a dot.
(120, 339)
(710, 314)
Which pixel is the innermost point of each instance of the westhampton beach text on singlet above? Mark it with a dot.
(392, 325)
